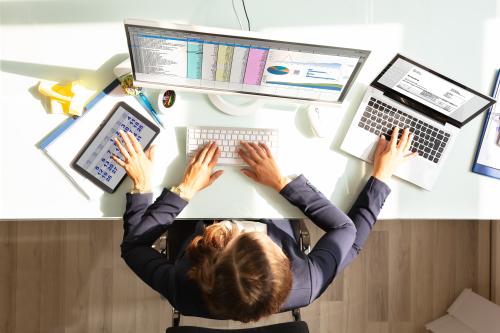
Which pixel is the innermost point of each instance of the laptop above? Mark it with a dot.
(431, 105)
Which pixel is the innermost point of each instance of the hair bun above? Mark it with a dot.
(204, 252)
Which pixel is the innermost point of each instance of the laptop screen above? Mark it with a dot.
(433, 90)
(238, 64)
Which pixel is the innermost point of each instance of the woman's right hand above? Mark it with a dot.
(198, 173)
(389, 155)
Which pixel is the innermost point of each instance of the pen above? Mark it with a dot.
(145, 102)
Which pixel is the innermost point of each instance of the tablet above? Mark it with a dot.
(94, 160)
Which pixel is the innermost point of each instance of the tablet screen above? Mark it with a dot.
(95, 161)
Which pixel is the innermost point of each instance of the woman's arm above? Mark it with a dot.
(339, 229)
(333, 247)
(143, 222)
(345, 235)
(388, 156)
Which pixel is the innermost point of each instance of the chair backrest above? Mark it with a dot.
(177, 234)
(290, 327)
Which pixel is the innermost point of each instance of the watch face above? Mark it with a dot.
(176, 190)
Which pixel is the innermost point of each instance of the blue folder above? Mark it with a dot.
(480, 168)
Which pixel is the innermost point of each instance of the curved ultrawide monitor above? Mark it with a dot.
(230, 61)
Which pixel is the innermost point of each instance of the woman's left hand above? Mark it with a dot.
(137, 163)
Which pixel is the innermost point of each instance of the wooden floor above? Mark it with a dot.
(58, 276)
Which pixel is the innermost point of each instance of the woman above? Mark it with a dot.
(247, 270)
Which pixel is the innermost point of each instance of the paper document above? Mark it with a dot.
(433, 91)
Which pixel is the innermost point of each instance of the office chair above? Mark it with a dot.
(171, 241)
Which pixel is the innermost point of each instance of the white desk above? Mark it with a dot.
(43, 41)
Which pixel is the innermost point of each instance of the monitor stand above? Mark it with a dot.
(235, 105)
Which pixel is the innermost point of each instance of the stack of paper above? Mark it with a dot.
(470, 313)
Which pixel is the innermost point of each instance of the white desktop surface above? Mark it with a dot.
(63, 41)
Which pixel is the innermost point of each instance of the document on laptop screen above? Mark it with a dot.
(433, 91)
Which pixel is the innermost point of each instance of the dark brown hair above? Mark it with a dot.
(242, 276)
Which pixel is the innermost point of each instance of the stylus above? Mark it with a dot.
(145, 102)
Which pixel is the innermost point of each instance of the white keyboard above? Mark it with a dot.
(228, 139)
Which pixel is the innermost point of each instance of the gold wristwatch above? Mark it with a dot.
(179, 190)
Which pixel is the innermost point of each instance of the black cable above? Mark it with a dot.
(246, 14)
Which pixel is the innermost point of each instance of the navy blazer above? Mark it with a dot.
(344, 237)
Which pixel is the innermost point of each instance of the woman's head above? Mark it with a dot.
(243, 276)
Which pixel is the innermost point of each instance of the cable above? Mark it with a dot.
(236, 13)
(246, 14)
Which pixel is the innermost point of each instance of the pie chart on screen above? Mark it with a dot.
(278, 70)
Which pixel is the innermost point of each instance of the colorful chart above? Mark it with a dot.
(278, 70)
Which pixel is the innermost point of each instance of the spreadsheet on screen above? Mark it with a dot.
(240, 64)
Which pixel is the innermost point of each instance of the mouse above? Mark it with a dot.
(319, 126)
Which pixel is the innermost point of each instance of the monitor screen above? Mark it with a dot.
(224, 62)
(432, 89)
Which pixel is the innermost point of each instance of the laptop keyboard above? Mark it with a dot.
(380, 118)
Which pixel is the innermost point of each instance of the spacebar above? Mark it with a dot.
(230, 161)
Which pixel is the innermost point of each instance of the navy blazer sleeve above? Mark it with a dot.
(337, 241)
(143, 224)
(364, 214)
